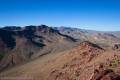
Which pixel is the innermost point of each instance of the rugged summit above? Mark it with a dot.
(87, 44)
(79, 63)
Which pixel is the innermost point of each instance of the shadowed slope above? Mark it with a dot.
(28, 43)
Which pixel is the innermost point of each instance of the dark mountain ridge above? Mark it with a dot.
(19, 45)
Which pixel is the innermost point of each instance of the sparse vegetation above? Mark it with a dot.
(114, 63)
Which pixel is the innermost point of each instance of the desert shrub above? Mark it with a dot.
(115, 62)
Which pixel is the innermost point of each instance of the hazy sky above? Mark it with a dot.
(85, 14)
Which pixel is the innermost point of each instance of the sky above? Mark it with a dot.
(102, 15)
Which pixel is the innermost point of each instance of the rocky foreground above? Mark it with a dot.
(87, 61)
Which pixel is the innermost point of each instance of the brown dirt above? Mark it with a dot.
(78, 63)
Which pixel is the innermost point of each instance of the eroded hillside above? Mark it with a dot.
(79, 63)
(20, 45)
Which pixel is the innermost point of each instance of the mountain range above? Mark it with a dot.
(102, 37)
(59, 53)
